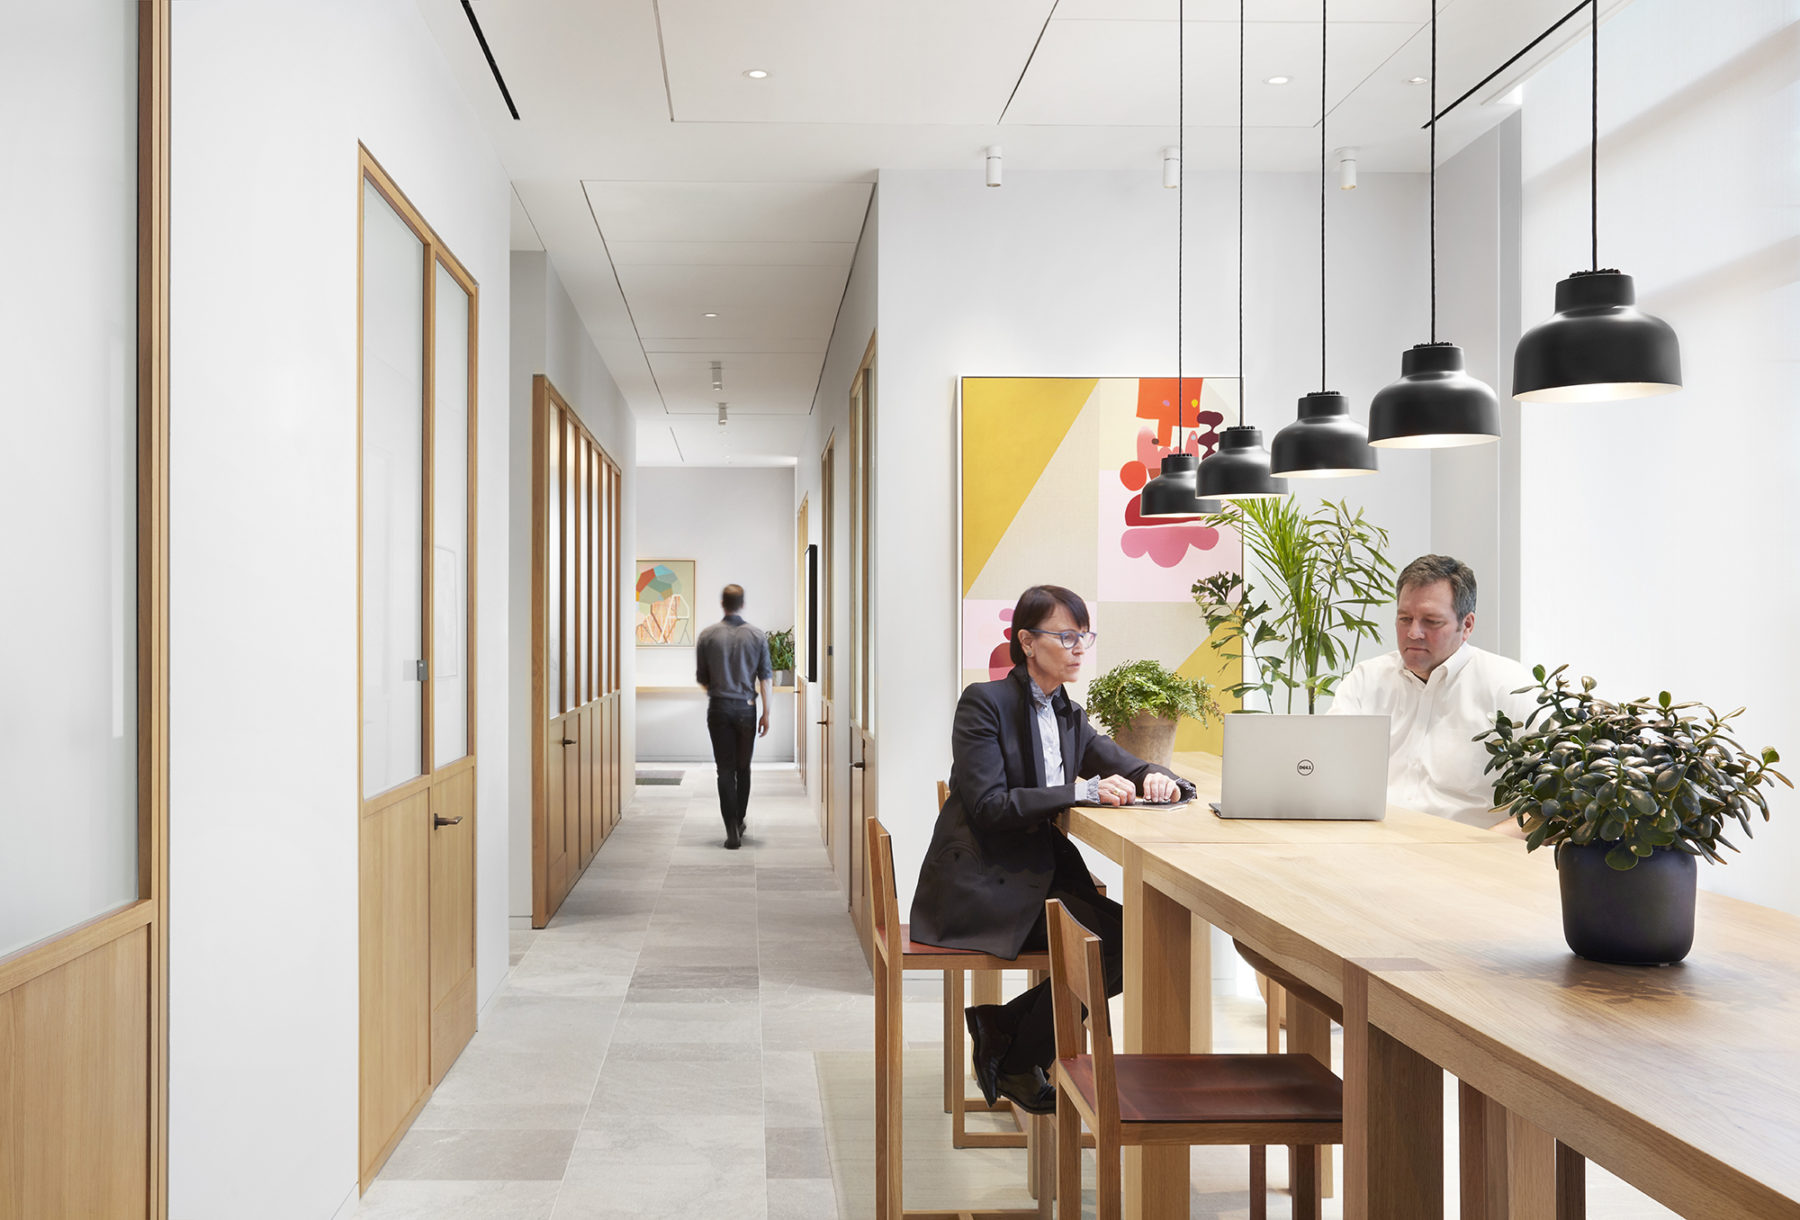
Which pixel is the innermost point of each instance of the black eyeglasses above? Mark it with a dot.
(1069, 639)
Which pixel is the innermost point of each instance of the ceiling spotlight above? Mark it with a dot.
(1417, 80)
(1277, 80)
(993, 165)
(709, 315)
(718, 375)
(1171, 167)
(756, 74)
(1346, 161)
(721, 415)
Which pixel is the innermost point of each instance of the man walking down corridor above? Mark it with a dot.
(731, 661)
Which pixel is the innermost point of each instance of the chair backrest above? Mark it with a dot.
(884, 905)
(1077, 980)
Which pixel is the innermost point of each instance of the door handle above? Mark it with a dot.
(569, 741)
(857, 766)
(438, 819)
(821, 722)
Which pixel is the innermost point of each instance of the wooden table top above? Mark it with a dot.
(1684, 1080)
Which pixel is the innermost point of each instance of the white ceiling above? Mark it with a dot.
(665, 185)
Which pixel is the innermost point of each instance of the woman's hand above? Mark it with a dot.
(1159, 787)
(1117, 790)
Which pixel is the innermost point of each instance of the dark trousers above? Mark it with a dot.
(732, 727)
(1034, 1030)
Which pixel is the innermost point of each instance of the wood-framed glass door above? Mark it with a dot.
(417, 319)
(575, 589)
(862, 639)
(827, 632)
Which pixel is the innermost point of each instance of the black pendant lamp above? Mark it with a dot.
(1324, 441)
(1172, 494)
(1435, 404)
(1599, 345)
(1239, 468)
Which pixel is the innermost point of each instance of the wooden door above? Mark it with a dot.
(827, 632)
(416, 697)
(452, 905)
(801, 642)
(575, 584)
(863, 790)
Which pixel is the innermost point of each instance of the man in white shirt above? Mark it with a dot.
(1438, 691)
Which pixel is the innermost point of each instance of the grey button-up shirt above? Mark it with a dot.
(1050, 735)
(728, 659)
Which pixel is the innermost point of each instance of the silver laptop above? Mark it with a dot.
(1294, 767)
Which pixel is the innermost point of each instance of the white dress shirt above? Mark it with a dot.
(1434, 766)
(1050, 736)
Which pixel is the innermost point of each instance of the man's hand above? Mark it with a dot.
(1117, 790)
(762, 726)
(1159, 787)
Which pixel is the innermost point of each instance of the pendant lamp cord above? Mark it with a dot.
(1324, 16)
(1240, 250)
(1594, 144)
(1180, 215)
(1433, 168)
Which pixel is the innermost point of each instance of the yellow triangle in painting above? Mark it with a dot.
(1011, 427)
(1203, 662)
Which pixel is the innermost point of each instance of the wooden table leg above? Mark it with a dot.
(1571, 1184)
(1530, 1170)
(1481, 1150)
(1393, 1119)
(1158, 1018)
(1309, 1033)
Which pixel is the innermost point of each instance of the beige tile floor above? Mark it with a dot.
(692, 1036)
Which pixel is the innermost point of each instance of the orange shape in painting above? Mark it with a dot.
(1156, 402)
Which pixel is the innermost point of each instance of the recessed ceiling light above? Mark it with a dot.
(1277, 80)
(1417, 80)
(756, 73)
(709, 315)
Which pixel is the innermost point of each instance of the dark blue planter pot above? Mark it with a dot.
(1641, 916)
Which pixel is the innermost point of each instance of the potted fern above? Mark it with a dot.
(1629, 795)
(1325, 569)
(781, 656)
(1140, 704)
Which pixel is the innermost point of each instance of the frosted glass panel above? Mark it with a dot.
(553, 432)
(450, 524)
(393, 494)
(68, 519)
(570, 610)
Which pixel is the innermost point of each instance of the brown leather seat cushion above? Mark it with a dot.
(1217, 1088)
(909, 947)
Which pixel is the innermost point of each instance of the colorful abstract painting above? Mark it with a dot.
(665, 603)
(1051, 472)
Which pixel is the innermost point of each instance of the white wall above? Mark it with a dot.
(737, 525)
(548, 337)
(850, 334)
(1659, 535)
(1065, 274)
(1473, 488)
(269, 104)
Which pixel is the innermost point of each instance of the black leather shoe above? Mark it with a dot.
(732, 838)
(1031, 1091)
(989, 1040)
(742, 833)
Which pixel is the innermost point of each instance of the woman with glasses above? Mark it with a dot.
(1022, 752)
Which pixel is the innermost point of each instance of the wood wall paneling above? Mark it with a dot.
(452, 917)
(394, 932)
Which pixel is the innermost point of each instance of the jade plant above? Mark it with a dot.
(1116, 697)
(1640, 775)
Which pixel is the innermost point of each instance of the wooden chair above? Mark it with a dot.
(896, 953)
(1308, 1015)
(1136, 1100)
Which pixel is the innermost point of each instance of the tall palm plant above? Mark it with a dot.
(1325, 570)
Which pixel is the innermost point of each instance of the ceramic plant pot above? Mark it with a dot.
(1150, 737)
(1642, 916)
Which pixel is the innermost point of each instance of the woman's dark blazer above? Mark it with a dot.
(996, 848)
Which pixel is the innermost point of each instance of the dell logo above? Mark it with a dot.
(1304, 766)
